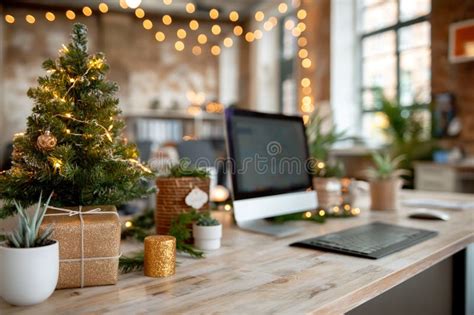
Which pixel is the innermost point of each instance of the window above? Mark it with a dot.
(395, 56)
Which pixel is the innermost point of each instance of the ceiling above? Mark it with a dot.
(244, 7)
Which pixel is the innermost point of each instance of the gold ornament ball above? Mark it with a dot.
(46, 141)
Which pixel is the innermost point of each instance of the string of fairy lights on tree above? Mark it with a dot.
(225, 32)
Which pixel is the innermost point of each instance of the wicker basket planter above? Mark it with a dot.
(170, 199)
(328, 191)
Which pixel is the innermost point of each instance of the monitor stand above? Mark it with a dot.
(264, 227)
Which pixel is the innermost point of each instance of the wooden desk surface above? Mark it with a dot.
(257, 274)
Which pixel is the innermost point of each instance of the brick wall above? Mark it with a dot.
(450, 77)
(145, 69)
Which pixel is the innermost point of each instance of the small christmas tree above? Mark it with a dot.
(73, 144)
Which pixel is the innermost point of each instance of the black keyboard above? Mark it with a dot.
(374, 240)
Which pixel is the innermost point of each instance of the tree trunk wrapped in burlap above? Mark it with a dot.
(170, 199)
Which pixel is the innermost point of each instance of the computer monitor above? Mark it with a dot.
(270, 176)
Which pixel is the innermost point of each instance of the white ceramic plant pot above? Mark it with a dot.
(28, 275)
(207, 237)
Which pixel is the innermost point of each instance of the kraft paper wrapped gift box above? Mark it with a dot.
(89, 244)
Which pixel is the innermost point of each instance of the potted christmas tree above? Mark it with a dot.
(29, 260)
(385, 181)
(73, 145)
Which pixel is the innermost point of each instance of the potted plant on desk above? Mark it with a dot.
(385, 181)
(29, 261)
(180, 187)
(322, 135)
(207, 233)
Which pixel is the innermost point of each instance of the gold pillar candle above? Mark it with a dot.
(160, 256)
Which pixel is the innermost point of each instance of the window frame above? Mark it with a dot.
(395, 28)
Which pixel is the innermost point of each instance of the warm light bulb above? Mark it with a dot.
(228, 42)
(301, 14)
(301, 26)
(181, 34)
(215, 50)
(179, 45)
(193, 25)
(296, 32)
(123, 4)
(139, 13)
(250, 37)
(289, 25)
(147, 24)
(190, 7)
(214, 14)
(104, 8)
(70, 14)
(267, 26)
(9, 19)
(282, 7)
(167, 2)
(133, 4)
(306, 63)
(196, 50)
(216, 29)
(305, 82)
(202, 39)
(167, 20)
(259, 16)
(234, 16)
(160, 36)
(219, 194)
(307, 214)
(50, 16)
(30, 19)
(258, 34)
(87, 11)
(238, 30)
(322, 213)
(302, 42)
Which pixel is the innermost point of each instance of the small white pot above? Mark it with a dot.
(28, 275)
(207, 237)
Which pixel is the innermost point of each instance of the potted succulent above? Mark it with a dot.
(385, 181)
(29, 261)
(207, 233)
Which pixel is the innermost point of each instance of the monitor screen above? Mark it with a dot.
(268, 152)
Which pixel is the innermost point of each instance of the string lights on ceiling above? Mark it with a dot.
(221, 27)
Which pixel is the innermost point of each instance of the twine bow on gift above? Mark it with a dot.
(80, 213)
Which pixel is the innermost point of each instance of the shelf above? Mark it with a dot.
(171, 114)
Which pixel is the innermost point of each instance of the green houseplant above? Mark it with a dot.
(410, 135)
(327, 173)
(385, 181)
(29, 260)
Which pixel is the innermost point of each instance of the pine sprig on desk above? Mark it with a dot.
(143, 225)
(131, 264)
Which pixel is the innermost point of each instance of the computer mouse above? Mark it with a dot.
(429, 214)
